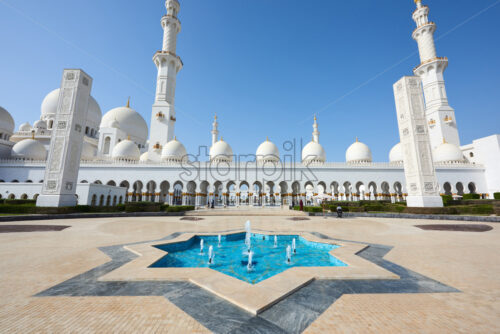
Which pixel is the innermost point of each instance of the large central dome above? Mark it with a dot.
(128, 120)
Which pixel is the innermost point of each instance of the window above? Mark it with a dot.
(107, 144)
(471, 154)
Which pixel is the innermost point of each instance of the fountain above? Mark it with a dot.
(248, 242)
(248, 227)
(288, 254)
(201, 247)
(211, 255)
(275, 241)
(220, 241)
(294, 248)
(250, 259)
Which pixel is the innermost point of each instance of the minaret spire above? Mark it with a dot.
(315, 130)
(440, 116)
(215, 131)
(168, 64)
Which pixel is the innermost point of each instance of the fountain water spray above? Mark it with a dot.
(288, 254)
(294, 248)
(275, 241)
(248, 241)
(248, 227)
(220, 241)
(201, 246)
(250, 259)
(211, 255)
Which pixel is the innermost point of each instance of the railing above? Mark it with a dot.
(329, 165)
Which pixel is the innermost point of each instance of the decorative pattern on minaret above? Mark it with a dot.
(440, 116)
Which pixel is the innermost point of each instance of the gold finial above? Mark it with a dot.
(128, 137)
(215, 116)
(267, 138)
(357, 140)
(128, 102)
(315, 118)
(221, 138)
(33, 134)
(444, 141)
(175, 138)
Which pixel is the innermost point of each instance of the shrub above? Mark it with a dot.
(484, 209)
(18, 209)
(447, 199)
(496, 195)
(20, 201)
(432, 211)
(471, 196)
(315, 209)
(142, 207)
(180, 208)
(296, 208)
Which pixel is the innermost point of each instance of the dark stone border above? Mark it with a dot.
(31, 228)
(486, 219)
(456, 228)
(90, 215)
(291, 315)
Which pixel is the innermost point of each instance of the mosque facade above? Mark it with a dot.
(151, 164)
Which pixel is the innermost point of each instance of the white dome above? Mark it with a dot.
(29, 149)
(127, 120)
(49, 109)
(25, 127)
(88, 151)
(126, 150)
(6, 121)
(221, 151)
(268, 151)
(40, 125)
(358, 153)
(396, 154)
(448, 153)
(313, 152)
(174, 151)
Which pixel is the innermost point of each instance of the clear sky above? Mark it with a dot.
(265, 66)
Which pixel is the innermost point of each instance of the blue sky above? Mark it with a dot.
(265, 66)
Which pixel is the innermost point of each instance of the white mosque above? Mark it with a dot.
(123, 160)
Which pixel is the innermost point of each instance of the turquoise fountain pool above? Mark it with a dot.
(231, 256)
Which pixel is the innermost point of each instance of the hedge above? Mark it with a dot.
(180, 208)
(315, 209)
(496, 195)
(471, 196)
(447, 199)
(19, 201)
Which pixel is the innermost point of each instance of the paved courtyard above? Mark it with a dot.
(51, 281)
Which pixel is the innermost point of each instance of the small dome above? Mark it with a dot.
(448, 153)
(313, 152)
(268, 151)
(25, 127)
(6, 121)
(49, 109)
(89, 152)
(174, 151)
(42, 125)
(358, 153)
(128, 120)
(126, 150)
(144, 157)
(396, 154)
(29, 149)
(221, 151)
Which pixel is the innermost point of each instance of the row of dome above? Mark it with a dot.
(221, 151)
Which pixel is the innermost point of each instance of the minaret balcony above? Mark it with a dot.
(440, 62)
(448, 119)
(431, 26)
(160, 116)
(432, 123)
(173, 119)
(167, 56)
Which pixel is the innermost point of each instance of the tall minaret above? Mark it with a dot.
(168, 64)
(215, 131)
(440, 116)
(315, 132)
